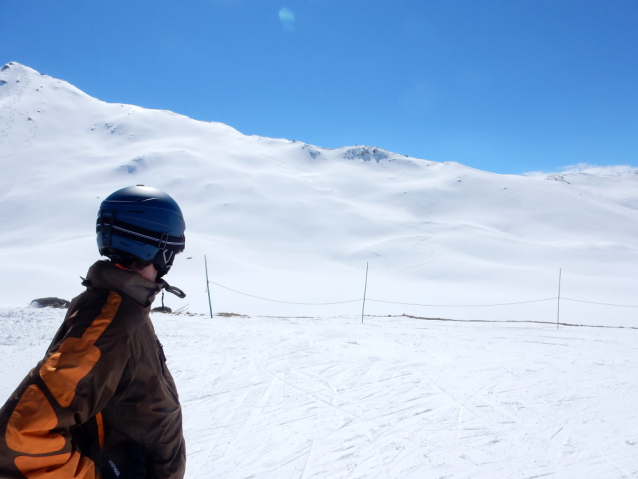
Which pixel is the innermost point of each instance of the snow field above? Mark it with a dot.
(294, 222)
(401, 398)
(392, 398)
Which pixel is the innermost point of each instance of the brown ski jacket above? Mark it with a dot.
(102, 385)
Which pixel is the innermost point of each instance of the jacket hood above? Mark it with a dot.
(106, 276)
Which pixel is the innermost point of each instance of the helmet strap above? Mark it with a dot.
(176, 291)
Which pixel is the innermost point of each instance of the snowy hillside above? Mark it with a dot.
(294, 222)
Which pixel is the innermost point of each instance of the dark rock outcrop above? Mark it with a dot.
(51, 303)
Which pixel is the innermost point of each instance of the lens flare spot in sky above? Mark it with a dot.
(287, 19)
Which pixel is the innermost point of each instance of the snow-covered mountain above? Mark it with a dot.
(289, 221)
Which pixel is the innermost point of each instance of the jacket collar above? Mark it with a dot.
(106, 276)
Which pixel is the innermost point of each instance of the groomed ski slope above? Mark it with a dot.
(330, 398)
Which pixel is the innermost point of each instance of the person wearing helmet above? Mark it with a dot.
(102, 403)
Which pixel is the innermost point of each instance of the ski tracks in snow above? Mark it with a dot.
(330, 398)
(309, 398)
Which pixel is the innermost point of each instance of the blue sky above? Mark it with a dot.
(504, 86)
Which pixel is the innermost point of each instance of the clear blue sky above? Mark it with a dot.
(505, 86)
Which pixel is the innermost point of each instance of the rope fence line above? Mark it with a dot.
(421, 304)
(284, 302)
(594, 302)
(516, 321)
(462, 305)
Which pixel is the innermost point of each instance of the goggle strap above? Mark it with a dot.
(162, 241)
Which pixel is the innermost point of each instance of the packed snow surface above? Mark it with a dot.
(295, 398)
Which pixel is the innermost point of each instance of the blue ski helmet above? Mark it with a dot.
(141, 222)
